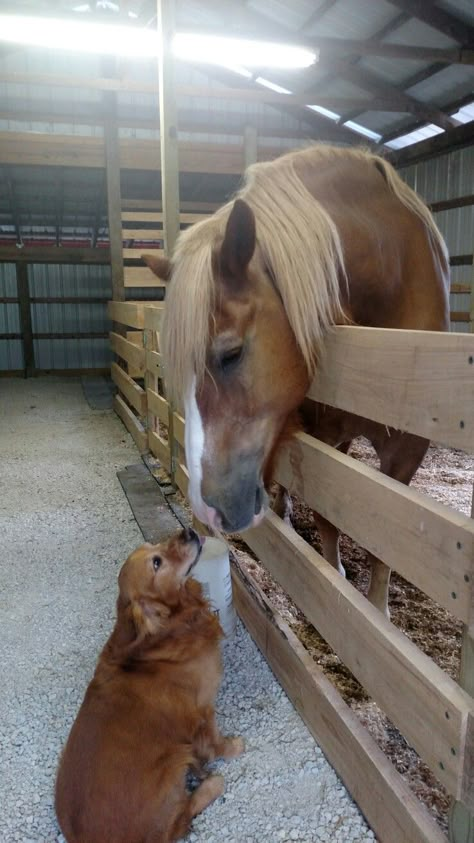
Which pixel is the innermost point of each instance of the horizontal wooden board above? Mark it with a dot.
(158, 406)
(140, 276)
(178, 428)
(153, 363)
(460, 288)
(181, 477)
(157, 216)
(134, 394)
(131, 423)
(142, 234)
(428, 707)
(127, 312)
(133, 354)
(159, 448)
(391, 809)
(153, 318)
(417, 381)
(429, 544)
(136, 254)
(460, 316)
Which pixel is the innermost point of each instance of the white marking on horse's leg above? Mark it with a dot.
(194, 446)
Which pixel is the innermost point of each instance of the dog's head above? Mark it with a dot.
(152, 582)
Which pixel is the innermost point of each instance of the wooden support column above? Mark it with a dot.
(461, 820)
(250, 146)
(25, 318)
(168, 125)
(169, 157)
(114, 209)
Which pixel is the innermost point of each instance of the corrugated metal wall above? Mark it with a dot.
(11, 351)
(448, 177)
(58, 281)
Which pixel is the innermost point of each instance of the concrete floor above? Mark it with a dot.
(65, 527)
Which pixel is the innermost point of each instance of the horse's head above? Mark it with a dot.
(247, 377)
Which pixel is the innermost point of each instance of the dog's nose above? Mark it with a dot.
(189, 535)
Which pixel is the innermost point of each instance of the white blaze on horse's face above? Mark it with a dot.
(195, 449)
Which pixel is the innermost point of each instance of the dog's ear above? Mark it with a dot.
(147, 617)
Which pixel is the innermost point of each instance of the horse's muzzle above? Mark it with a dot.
(237, 507)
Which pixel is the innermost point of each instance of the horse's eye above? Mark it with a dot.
(156, 562)
(229, 359)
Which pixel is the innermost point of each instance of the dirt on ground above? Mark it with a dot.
(446, 475)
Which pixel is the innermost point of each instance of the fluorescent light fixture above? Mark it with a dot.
(236, 68)
(78, 36)
(362, 130)
(416, 136)
(272, 86)
(324, 111)
(212, 49)
(113, 39)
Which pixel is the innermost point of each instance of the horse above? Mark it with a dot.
(319, 237)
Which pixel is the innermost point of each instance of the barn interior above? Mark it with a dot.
(90, 175)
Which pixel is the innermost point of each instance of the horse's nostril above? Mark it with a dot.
(258, 499)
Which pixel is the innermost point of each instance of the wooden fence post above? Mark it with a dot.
(24, 305)
(169, 155)
(250, 146)
(114, 203)
(461, 820)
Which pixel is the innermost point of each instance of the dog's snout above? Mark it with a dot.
(189, 535)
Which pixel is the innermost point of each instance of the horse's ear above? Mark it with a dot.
(160, 266)
(239, 240)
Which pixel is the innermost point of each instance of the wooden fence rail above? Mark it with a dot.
(421, 382)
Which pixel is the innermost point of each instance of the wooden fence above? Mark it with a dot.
(142, 232)
(421, 382)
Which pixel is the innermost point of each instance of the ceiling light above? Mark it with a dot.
(272, 86)
(78, 36)
(211, 49)
(113, 39)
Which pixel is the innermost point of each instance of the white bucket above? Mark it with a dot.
(213, 572)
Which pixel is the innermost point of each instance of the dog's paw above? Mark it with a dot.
(209, 790)
(234, 747)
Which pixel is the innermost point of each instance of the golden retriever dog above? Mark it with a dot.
(148, 715)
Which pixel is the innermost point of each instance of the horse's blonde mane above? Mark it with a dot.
(298, 243)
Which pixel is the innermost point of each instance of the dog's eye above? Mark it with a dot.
(156, 562)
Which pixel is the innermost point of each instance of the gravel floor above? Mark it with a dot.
(65, 527)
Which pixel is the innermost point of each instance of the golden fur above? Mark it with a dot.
(148, 714)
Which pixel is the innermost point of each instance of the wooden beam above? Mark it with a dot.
(160, 449)
(159, 217)
(457, 202)
(128, 351)
(389, 806)
(54, 255)
(129, 312)
(133, 425)
(114, 203)
(134, 394)
(141, 276)
(158, 406)
(25, 318)
(433, 712)
(417, 381)
(27, 148)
